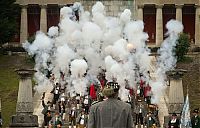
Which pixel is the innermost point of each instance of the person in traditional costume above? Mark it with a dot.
(174, 122)
(56, 121)
(140, 113)
(72, 116)
(150, 121)
(110, 113)
(195, 120)
(82, 119)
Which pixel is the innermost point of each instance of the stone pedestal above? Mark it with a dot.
(24, 109)
(176, 97)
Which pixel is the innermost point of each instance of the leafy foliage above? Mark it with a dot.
(8, 15)
(31, 39)
(182, 46)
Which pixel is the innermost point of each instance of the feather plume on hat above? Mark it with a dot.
(110, 89)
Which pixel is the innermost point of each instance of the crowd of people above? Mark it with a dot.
(64, 108)
(75, 109)
(101, 104)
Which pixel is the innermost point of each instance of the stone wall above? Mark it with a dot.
(112, 7)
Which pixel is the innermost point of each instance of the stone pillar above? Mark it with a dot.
(24, 24)
(134, 9)
(176, 97)
(159, 25)
(24, 109)
(43, 18)
(61, 15)
(197, 26)
(140, 12)
(179, 12)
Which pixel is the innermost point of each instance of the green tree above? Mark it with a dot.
(182, 46)
(8, 22)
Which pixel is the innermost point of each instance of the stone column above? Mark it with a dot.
(159, 25)
(24, 24)
(43, 18)
(134, 9)
(197, 26)
(140, 12)
(61, 15)
(176, 97)
(24, 109)
(179, 12)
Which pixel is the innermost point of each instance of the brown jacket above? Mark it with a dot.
(111, 113)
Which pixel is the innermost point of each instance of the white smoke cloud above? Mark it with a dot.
(37, 46)
(98, 8)
(65, 12)
(80, 49)
(125, 17)
(166, 60)
(118, 50)
(92, 33)
(53, 31)
(63, 57)
(78, 68)
(80, 86)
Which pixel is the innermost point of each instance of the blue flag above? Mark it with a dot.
(185, 116)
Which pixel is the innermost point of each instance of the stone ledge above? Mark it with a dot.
(24, 120)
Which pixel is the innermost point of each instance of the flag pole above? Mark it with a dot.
(187, 90)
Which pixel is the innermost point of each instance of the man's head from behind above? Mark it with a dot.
(111, 90)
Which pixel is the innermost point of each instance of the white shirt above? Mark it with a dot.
(72, 113)
(150, 118)
(86, 101)
(173, 121)
(49, 107)
(140, 110)
(82, 120)
(77, 97)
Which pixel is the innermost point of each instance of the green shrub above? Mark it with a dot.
(182, 46)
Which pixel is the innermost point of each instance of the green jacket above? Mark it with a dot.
(195, 122)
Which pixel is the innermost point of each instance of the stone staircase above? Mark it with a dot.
(163, 110)
(162, 105)
(37, 103)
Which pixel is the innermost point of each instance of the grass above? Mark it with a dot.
(186, 59)
(8, 93)
(191, 80)
(9, 84)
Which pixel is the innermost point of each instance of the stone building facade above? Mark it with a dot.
(42, 14)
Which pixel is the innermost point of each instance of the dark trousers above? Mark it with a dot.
(55, 98)
(148, 100)
(141, 92)
(72, 120)
(139, 119)
(86, 109)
